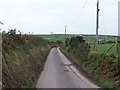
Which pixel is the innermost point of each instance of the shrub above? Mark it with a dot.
(111, 41)
(79, 47)
(11, 40)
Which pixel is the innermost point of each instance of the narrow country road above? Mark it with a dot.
(60, 73)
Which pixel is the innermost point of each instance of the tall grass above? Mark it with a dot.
(23, 59)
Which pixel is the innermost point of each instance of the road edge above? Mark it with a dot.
(83, 72)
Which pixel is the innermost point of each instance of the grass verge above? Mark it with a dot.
(94, 66)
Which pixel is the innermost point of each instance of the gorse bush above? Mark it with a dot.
(11, 40)
(79, 47)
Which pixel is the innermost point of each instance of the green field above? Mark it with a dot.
(55, 37)
(104, 47)
(89, 39)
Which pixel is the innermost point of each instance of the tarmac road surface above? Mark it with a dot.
(60, 73)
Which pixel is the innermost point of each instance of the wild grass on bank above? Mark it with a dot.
(104, 67)
(23, 59)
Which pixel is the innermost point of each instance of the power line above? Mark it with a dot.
(82, 11)
(76, 19)
(79, 13)
(1, 23)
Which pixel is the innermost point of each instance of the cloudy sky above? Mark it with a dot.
(46, 16)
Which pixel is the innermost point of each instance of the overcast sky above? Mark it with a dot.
(46, 16)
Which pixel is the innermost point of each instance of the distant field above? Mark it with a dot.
(89, 38)
(55, 37)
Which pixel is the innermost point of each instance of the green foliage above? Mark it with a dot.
(104, 67)
(55, 37)
(90, 39)
(23, 59)
(11, 40)
(79, 47)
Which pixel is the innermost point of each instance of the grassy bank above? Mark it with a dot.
(23, 59)
(104, 73)
(102, 66)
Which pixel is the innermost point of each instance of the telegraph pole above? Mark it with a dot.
(65, 31)
(97, 24)
(65, 35)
